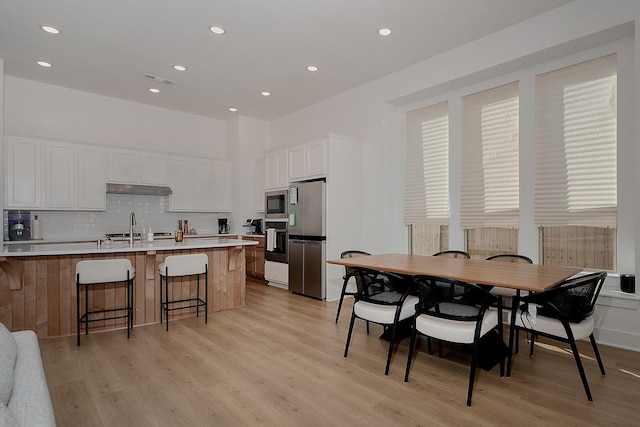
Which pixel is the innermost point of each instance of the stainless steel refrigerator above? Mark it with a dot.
(307, 238)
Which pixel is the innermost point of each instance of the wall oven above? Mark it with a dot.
(277, 241)
(276, 204)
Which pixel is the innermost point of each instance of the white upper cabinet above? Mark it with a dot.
(154, 169)
(60, 175)
(200, 185)
(24, 172)
(91, 178)
(307, 160)
(137, 167)
(181, 182)
(260, 185)
(297, 166)
(276, 169)
(54, 175)
(122, 166)
(316, 158)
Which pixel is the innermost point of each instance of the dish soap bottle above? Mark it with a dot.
(150, 235)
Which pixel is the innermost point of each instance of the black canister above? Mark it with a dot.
(628, 283)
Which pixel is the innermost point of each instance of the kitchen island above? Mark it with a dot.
(38, 292)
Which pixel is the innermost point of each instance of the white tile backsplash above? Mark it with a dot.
(150, 212)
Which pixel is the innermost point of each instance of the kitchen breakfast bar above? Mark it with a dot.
(38, 284)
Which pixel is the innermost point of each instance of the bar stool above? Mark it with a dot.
(91, 272)
(184, 265)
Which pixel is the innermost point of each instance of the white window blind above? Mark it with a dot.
(576, 122)
(426, 190)
(489, 193)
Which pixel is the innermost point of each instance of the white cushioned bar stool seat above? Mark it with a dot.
(91, 272)
(183, 265)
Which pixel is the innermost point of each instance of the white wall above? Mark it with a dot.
(373, 113)
(43, 110)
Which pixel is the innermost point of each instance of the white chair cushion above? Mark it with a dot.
(105, 270)
(385, 314)
(8, 354)
(183, 265)
(554, 327)
(455, 330)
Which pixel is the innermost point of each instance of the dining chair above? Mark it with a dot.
(348, 286)
(507, 295)
(383, 298)
(564, 313)
(516, 258)
(453, 254)
(455, 311)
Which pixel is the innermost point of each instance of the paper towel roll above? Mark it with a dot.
(36, 231)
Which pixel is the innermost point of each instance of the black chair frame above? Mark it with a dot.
(371, 283)
(196, 302)
(553, 303)
(434, 291)
(347, 276)
(453, 254)
(126, 311)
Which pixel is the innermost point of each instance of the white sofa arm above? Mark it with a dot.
(30, 402)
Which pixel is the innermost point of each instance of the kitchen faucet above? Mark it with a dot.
(132, 222)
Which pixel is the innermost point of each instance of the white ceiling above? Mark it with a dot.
(107, 46)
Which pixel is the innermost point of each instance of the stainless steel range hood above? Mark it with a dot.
(143, 190)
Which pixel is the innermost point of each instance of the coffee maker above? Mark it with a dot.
(223, 226)
(19, 225)
(257, 226)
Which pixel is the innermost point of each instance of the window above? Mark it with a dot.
(426, 196)
(489, 198)
(576, 164)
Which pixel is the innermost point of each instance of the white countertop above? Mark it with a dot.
(41, 249)
(93, 239)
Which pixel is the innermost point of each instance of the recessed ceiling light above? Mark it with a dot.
(312, 68)
(384, 31)
(233, 109)
(43, 64)
(180, 67)
(216, 30)
(265, 93)
(50, 29)
(154, 90)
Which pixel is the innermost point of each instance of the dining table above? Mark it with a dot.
(512, 275)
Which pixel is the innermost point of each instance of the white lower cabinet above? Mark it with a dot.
(277, 274)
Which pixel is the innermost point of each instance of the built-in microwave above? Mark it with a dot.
(276, 204)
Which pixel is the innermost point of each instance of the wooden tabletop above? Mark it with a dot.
(530, 277)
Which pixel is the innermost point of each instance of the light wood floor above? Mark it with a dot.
(278, 362)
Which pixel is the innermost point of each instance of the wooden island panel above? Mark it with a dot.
(46, 301)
